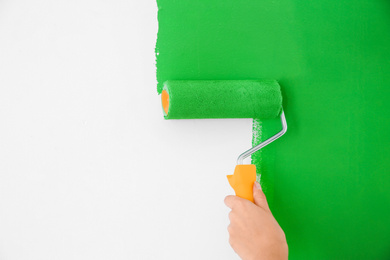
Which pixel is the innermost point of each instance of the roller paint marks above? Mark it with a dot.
(327, 179)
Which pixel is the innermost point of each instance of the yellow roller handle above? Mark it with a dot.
(242, 180)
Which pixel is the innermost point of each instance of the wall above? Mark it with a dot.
(90, 170)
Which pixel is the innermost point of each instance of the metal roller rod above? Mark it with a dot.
(254, 149)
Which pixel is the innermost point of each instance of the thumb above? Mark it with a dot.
(259, 196)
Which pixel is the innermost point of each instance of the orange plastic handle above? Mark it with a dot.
(242, 180)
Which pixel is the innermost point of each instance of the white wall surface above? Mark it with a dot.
(88, 167)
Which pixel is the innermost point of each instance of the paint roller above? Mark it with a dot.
(201, 99)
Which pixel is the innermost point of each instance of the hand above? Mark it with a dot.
(253, 230)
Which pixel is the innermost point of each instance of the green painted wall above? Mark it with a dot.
(328, 178)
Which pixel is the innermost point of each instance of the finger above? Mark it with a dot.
(236, 202)
(230, 201)
(259, 196)
(234, 215)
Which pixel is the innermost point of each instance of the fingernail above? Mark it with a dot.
(257, 185)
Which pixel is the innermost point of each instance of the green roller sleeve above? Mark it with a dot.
(196, 99)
